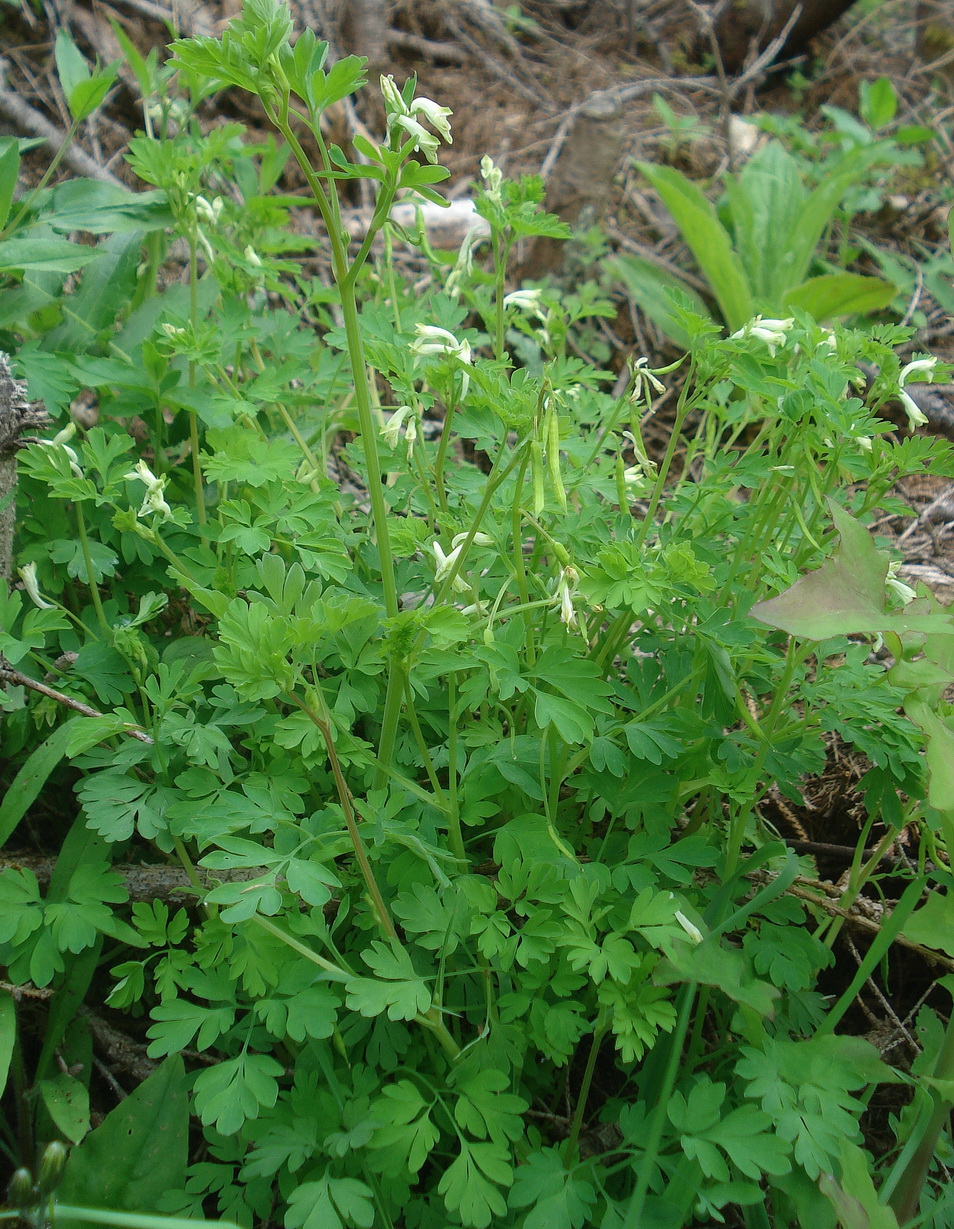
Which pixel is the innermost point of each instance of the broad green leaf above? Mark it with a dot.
(139, 1151)
(31, 778)
(649, 287)
(764, 201)
(67, 1103)
(469, 1184)
(8, 1034)
(556, 1196)
(102, 208)
(45, 255)
(9, 170)
(104, 292)
(933, 924)
(845, 595)
(840, 294)
(707, 239)
(939, 754)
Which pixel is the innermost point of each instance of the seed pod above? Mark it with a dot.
(621, 497)
(536, 476)
(553, 457)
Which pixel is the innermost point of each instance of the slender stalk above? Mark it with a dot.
(634, 1214)
(384, 918)
(90, 578)
(453, 826)
(197, 481)
(579, 1110)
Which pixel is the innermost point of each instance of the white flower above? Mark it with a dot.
(391, 431)
(480, 539)
(402, 115)
(445, 563)
(392, 96)
(493, 177)
(904, 592)
(253, 257)
(527, 301)
(772, 332)
(565, 592)
(209, 211)
(693, 931)
(436, 116)
(154, 500)
(916, 418)
(28, 575)
(920, 365)
(434, 340)
(644, 377)
(923, 367)
(425, 141)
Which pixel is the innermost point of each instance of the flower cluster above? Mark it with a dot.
(407, 118)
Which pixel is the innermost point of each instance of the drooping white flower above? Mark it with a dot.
(28, 575)
(526, 301)
(424, 141)
(444, 565)
(436, 115)
(643, 377)
(772, 332)
(391, 431)
(563, 597)
(493, 178)
(154, 500)
(916, 417)
(693, 931)
(434, 340)
(923, 367)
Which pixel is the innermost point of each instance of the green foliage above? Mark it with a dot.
(461, 753)
(756, 250)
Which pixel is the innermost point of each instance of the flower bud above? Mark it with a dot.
(52, 1164)
(21, 1193)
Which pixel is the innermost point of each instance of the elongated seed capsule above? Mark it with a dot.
(621, 496)
(536, 476)
(553, 457)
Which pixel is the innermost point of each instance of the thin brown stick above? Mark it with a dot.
(9, 675)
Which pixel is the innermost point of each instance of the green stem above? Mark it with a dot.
(454, 829)
(90, 578)
(384, 918)
(634, 1214)
(579, 1110)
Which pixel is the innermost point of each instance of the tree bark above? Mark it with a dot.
(580, 182)
(744, 24)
